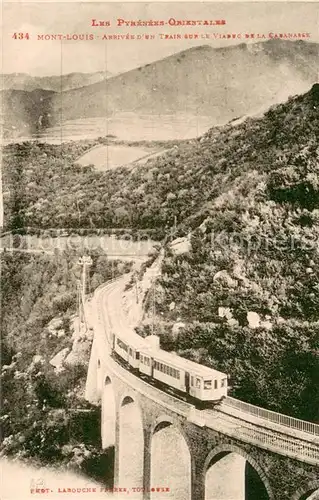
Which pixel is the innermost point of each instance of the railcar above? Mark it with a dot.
(197, 381)
(192, 379)
(128, 350)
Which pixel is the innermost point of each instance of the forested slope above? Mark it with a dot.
(44, 416)
(248, 194)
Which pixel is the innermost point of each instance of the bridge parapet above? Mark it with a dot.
(265, 438)
(295, 425)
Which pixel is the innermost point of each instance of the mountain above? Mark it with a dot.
(182, 184)
(223, 83)
(23, 81)
(26, 99)
(247, 198)
(25, 112)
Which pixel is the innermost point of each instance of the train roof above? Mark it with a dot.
(185, 364)
(141, 344)
(134, 340)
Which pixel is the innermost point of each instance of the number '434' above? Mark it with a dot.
(21, 36)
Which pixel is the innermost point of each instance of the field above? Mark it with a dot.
(108, 157)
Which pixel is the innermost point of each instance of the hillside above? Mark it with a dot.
(198, 81)
(25, 112)
(197, 170)
(37, 311)
(247, 291)
(202, 80)
(56, 83)
(26, 100)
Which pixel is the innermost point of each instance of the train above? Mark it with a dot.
(193, 382)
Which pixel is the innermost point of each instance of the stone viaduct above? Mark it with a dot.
(163, 442)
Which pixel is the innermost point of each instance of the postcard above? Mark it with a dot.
(159, 250)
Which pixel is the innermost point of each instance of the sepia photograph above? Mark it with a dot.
(159, 257)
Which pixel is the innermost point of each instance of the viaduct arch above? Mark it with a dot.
(130, 445)
(255, 484)
(170, 441)
(310, 492)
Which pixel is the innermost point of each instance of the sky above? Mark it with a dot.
(41, 58)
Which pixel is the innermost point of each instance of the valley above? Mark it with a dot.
(205, 155)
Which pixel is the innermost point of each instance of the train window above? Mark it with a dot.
(170, 371)
(161, 367)
(215, 384)
(192, 380)
(207, 384)
(131, 352)
(122, 345)
(178, 374)
(223, 382)
(198, 383)
(147, 361)
(142, 358)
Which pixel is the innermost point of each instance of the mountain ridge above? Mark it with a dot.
(202, 80)
(27, 82)
(188, 81)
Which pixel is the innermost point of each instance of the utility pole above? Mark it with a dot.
(84, 261)
(175, 225)
(136, 289)
(153, 307)
(79, 301)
